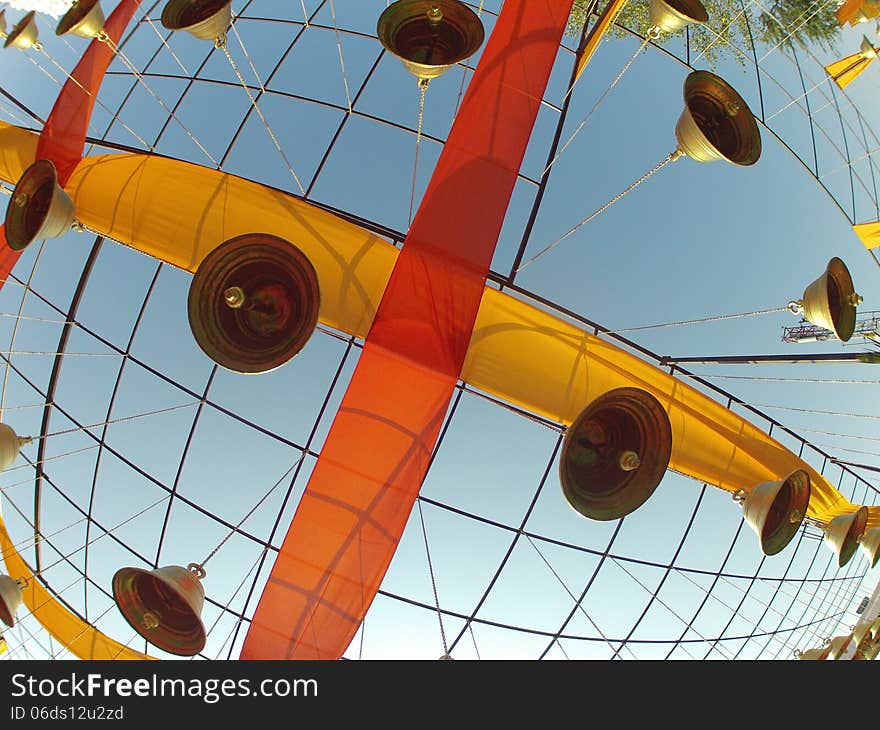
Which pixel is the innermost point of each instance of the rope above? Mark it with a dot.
(117, 420)
(433, 581)
(671, 157)
(165, 43)
(341, 59)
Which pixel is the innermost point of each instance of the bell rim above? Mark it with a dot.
(177, 5)
(473, 21)
(19, 28)
(34, 169)
(839, 272)
(745, 112)
(850, 544)
(67, 23)
(773, 544)
(201, 305)
(129, 574)
(609, 505)
(684, 12)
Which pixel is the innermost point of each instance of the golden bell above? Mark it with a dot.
(205, 19)
(818, 653)
(3, 23)
(430, 36)
(164, 606)
(10, 598)
(861, 632)
(866, 48)
(615, 453)
(253, 303)
(670, 16)
(870, 545)
(84, 18)
(838, 646)
(831, 301)
(24, 33)
(716, 123)
(842, 534)
(775, 510)
(10, 443)
(39, 207)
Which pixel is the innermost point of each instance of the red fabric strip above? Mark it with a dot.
(362, 489)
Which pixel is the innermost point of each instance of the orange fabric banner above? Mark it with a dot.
(362, 489)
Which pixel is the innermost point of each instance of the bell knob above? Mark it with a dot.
(39, 207)
(204, 19)
(164, 606)
(670, 16)
(775, 510)
(24, 33)
(84, 19)
(843, 532)
(870, 545)
(615, 453)
(253, 303)
(716, 123)
(10, 443)
(11, 591)
(430, 36)
(830, 301)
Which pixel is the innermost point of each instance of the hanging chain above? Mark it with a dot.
(423, 90)
(433, 581)
(671, 157)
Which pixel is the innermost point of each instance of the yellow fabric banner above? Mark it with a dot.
(868, 233)
(844, 71)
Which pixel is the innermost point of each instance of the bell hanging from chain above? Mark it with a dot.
(3, 23)
(11, 596)
(775, 510)
(430, 36)
(10, 443)
(820, 653)
(24, 33)
(615, 453)
(205, 19)
(164, 606)
(830, 301)
(870, 545)
(716, 123)
(669, 16)
(39, 207)
(253, 303)
(839, 645)
(842, 534)
(84, 19)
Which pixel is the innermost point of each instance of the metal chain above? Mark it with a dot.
(718, 318)
(433, 581)
(423, 90)
(671, 157)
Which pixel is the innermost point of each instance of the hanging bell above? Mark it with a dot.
(253, 303)
(669, 16)
(716, 123)
(24, 33)
(870, 545)
(10, 443)
(3, 23)
(430, 36)
(775, 510)
(39, 207)
(84, 19)
(838, 646)
(11, 592)
(205, 19)
(818, 653)
(830, 301)
(843, 533)
(615, 453)
(866, 49)
(164, 606)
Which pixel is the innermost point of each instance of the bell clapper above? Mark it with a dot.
(435, 15)
(628, 460)
(739, 496)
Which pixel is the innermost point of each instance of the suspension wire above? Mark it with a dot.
(796, 99)
(474, 640)
(837, 381)
(791, 31)
(576, 601)
(648, 38)
(812, 410)
(561, 648)
(254, 509)
(839, 435)
(829, 447)
(671, 157)
(35, 319)
(221, 44)
(423, 89)
(433, 581)
(105, 38)
(719, 36)
(247, 55)
(118, 420)
(165, 43)
(341, 59)
(43, 461)
(305, 13)
(54, 354)
(464, 74)
(717, 318)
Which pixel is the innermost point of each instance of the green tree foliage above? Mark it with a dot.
(732, 23)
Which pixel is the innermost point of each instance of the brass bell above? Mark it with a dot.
(615, 453)
(253, 303)
(716, 123)
(838, 646)
(870, 545)
(39, 207)
(430, 36)
(775, 510)
(164, 606)
(819, 653)
(843, 533)
(3, 23)
(866, 49)
(84, 19)
(830, 301)
(10, 443)
(670, 16)
(204, 19)
(24, 33)
(10, 598)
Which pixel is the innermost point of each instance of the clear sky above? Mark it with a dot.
(694, 241)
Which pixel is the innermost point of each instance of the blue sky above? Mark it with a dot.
(696, 240)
